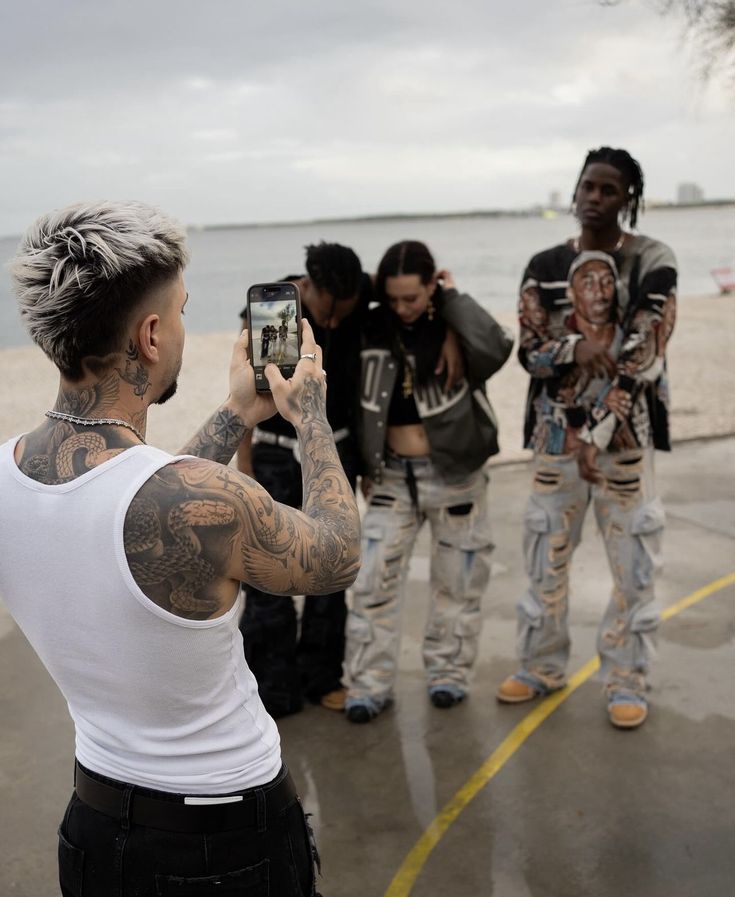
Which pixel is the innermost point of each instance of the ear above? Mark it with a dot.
(148, 336)
(431, 285)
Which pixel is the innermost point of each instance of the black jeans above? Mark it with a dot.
(102, 856)
(288, 666)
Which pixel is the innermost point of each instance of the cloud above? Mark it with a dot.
(215, 135)
(230, 111)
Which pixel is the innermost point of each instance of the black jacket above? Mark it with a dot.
(461, 427)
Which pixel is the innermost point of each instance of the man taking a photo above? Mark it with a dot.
(122, 565)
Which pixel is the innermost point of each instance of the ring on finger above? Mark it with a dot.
(310, 355)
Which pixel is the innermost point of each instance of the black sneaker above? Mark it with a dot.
(362, 710)
(445, 697)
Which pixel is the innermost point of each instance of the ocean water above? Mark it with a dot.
(486, 255)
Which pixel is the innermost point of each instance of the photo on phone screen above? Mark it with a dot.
(274, 319)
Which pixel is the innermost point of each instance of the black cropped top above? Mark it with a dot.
(402, 409)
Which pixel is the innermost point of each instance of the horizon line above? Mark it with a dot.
(527, 212)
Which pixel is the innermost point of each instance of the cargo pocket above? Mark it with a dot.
(643, 626)
(529, 620)
(252, 882)
(461, 552)
(359, 638)
(646, 528)
(467, 633)
(71, 868)
(448, 569)
(372, 559)
(462, 569)
(536, 524)
(477, 568)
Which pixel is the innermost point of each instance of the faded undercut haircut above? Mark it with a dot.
(80, 272)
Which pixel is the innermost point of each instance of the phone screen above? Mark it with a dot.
(274, 319)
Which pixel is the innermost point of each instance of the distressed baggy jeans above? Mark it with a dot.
(631, 520)
(460, 570)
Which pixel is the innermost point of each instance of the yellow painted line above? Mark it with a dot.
(697, 596)
(403, 881)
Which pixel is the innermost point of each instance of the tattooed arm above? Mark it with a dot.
(197, 529)
(219, 437)
(245, 455)
(328, 499)
(330, 552)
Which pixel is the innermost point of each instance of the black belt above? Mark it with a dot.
(245, 809)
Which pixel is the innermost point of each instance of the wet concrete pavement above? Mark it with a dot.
(578, 810)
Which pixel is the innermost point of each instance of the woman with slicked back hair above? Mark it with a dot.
(424, 446)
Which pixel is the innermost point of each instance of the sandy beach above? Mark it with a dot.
(701, 364)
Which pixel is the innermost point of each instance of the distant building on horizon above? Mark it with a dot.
(555, 200)
(689, 193)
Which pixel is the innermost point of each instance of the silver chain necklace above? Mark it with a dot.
(95, 421)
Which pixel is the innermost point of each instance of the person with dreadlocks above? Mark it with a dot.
(424, 444)
(596, 313)
(289, 664)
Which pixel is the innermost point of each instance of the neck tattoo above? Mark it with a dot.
(95, 422)
(576, 243)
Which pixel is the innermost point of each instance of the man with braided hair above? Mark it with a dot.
(596, 313)
(122, 565)
(288, 664)
(291, 662)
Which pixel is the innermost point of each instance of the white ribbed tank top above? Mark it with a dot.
(156, 700)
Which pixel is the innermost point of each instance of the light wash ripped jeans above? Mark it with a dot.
(631, 520)
(460, 571)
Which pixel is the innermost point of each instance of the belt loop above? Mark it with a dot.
(260, 810)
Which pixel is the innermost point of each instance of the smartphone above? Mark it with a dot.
(274, 329)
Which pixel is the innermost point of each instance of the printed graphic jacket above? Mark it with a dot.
(646, 294)
(461, 426)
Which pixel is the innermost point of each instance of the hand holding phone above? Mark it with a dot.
(252, 406)
(274, 329)
(302, 399)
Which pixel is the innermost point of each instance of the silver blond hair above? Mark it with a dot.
(80, 271)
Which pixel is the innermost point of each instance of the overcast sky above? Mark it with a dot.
(270, 111)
